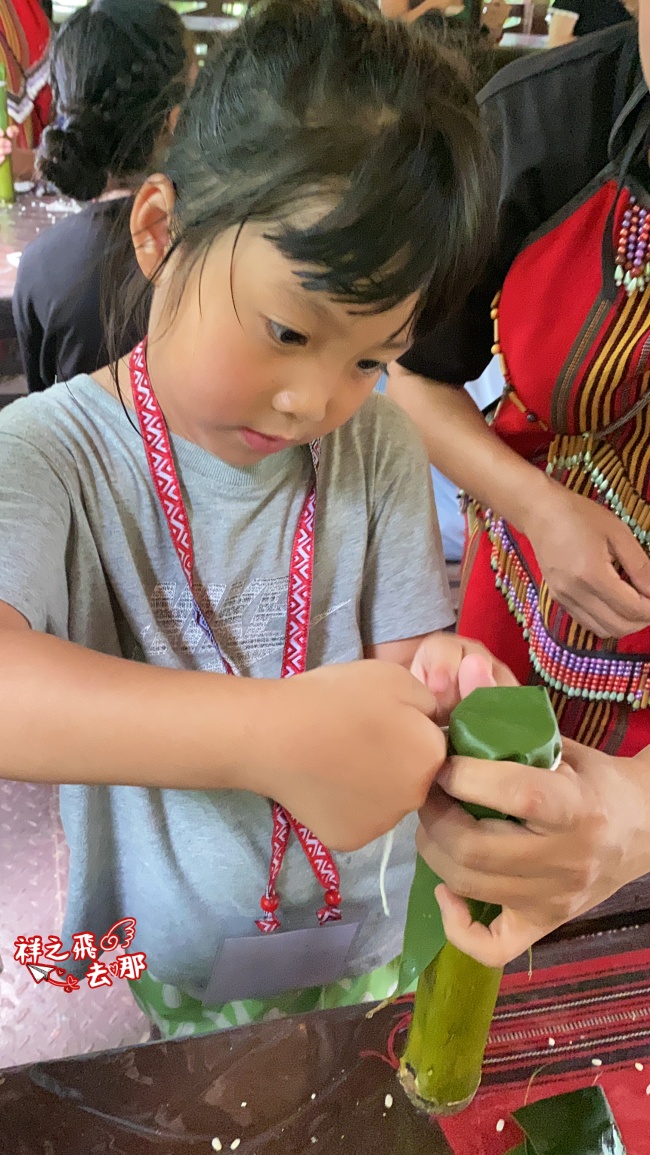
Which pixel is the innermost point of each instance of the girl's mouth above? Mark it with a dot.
(260, 443)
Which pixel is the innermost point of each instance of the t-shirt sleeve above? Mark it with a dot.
(405, 587)
(35, 521)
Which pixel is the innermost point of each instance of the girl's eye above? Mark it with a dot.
(370, 367)
(285, 336)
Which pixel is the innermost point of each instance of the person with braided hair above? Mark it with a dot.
(120, 70)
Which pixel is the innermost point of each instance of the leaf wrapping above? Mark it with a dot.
(498, 723)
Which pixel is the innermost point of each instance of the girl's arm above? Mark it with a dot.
(72, 715)
(402, 653)
(399, 9)
(349, 749)
(576, 541)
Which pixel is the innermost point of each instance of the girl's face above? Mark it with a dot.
(250, 362)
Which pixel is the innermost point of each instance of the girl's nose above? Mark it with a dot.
(306, 401)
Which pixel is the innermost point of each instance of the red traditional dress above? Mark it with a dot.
(24, 51)
(572, 132)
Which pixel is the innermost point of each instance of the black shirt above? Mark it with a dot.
(550, 117)
(56, 301)
(596, 14)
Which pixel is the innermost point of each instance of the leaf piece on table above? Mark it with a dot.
(580, 1122)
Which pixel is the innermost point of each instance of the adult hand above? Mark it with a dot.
(577, 544)
(585, 833)
(7, 140)
(451, 667)
(348, 749)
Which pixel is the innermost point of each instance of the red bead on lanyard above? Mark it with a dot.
(294, 661)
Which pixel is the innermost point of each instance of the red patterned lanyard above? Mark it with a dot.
(294, 661)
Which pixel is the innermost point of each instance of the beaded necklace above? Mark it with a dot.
(633, 253)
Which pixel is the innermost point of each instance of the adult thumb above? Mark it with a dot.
(474, 672)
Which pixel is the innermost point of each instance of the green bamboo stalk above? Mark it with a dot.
(455, 998)
(7, 192)
(454, 1004)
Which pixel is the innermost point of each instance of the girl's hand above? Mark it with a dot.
(585, 834)
(576, 544)
(451, 667)
(349, 750)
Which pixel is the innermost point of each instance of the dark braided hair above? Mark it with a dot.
(118, 69)
(328, 100)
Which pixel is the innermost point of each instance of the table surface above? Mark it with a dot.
(21, 223)
(519, 40)
(326, 1082)
(293, 1087)
(210, 23)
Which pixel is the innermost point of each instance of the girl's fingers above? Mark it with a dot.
(452, 667)
(475, 672)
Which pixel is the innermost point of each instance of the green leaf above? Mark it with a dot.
(507, 724)
(510, 723)
(580, 1122)
(424, 936)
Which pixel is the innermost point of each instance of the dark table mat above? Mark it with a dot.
(305, 1087)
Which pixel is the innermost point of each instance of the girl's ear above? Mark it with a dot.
(150, 223)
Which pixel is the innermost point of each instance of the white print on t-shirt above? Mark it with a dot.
(248, 619)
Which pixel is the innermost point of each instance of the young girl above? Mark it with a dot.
(120, 69)
(233, 500)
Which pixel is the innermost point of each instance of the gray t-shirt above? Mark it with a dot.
(85, 554)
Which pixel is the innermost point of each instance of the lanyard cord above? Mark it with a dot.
(294, 661)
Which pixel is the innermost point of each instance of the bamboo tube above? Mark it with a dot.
(7, 193)
(454, 1004)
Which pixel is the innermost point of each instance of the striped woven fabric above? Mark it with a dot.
(563, 1028)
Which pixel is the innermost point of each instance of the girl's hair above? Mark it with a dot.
(118, 68)
(326, 102)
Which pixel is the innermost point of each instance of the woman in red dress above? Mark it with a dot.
(24, 51)
(557, 572)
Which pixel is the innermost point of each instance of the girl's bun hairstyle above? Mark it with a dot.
(118, 69)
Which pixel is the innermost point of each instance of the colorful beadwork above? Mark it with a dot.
(593, 677)
(633, 252)
(597, 459)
